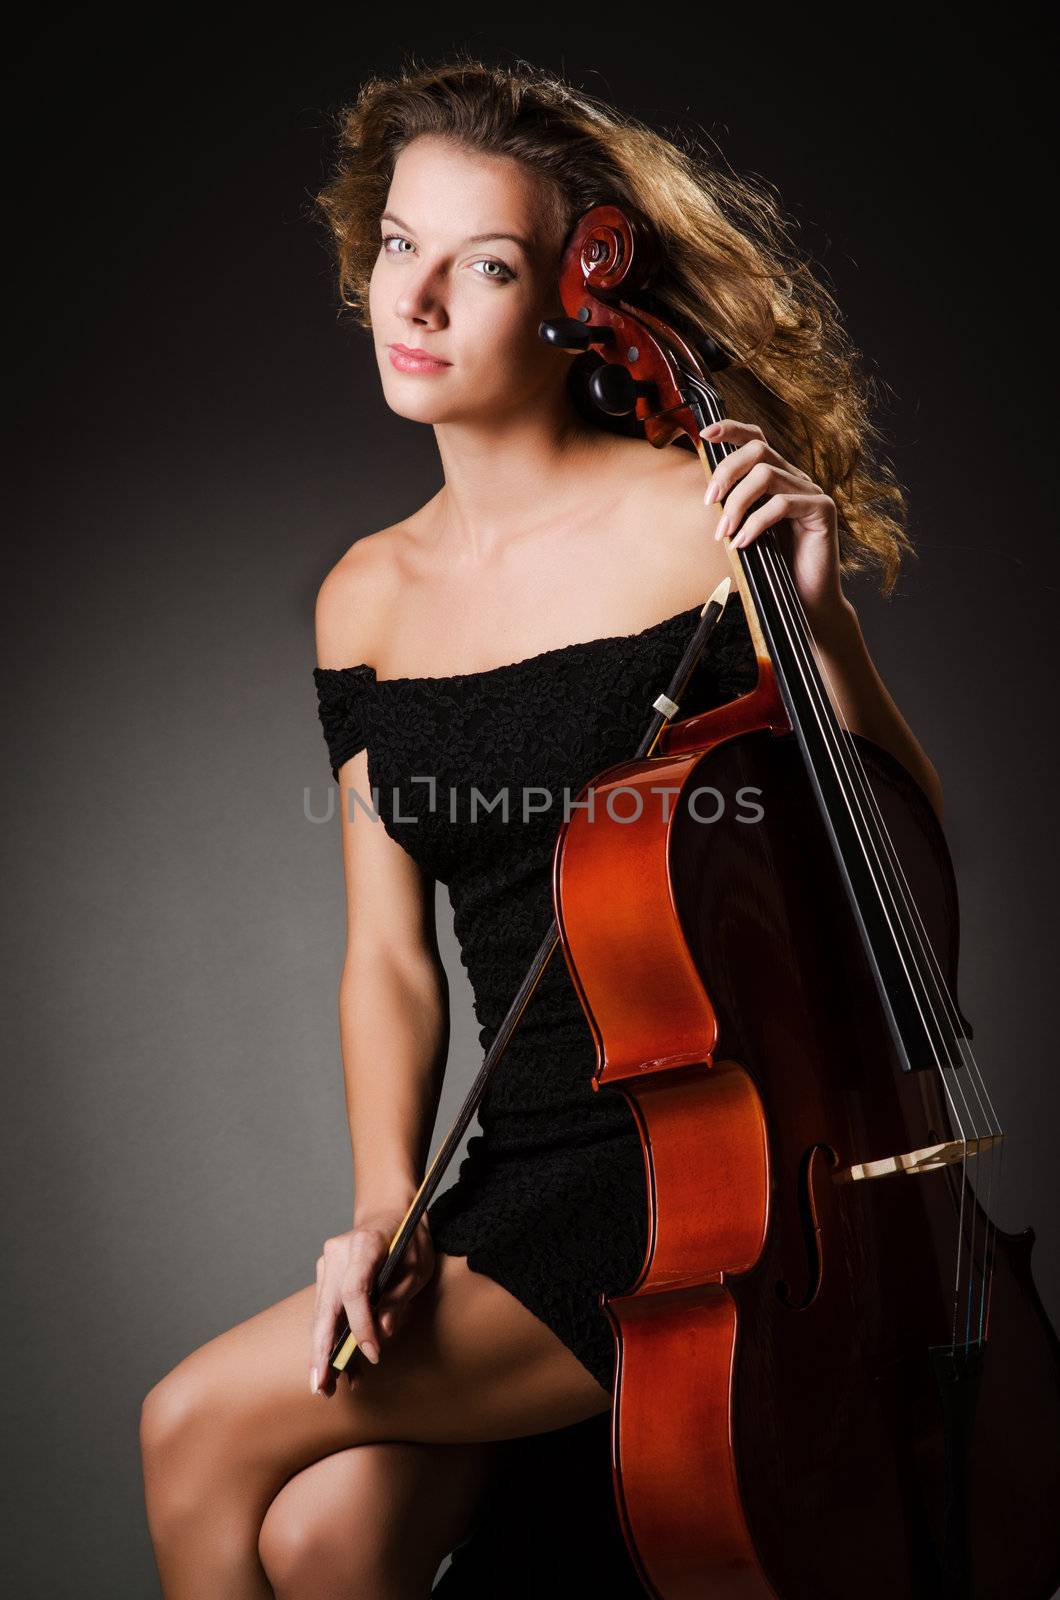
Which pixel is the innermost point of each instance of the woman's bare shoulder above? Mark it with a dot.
(664, 494)
(357, 596)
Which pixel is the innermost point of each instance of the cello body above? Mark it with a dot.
(791, 1418)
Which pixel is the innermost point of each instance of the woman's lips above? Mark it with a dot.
(414, 360)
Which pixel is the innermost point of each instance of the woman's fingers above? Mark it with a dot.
(778, 508)
(728, 428)
(415, 1270)
(366, 1251)
(323, 1333)
(757, 482)
(393, 1304)
(346, 1272)
(733, 467)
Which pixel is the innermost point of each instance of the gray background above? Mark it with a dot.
(197, 441)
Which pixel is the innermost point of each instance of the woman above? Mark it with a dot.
(510, 633)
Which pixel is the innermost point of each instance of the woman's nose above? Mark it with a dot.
(420, 300)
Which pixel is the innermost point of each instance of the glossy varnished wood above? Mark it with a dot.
(777, 1423)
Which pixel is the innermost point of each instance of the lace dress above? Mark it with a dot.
(550, 1199)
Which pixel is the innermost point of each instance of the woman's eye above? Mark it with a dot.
(502, 274)
(395, 238)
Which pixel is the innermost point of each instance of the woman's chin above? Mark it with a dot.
(432, 408)
(414, 410)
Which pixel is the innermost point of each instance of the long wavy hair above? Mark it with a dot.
(727, 266)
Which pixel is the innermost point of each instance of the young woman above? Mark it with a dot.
(508, 634)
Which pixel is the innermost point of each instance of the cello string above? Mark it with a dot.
(995, 1152)
(936, 975)
(968, 1057)
(944, 1071)
(968, 1054)
(850, 756)
(975, 1074)
(813, 692)
(821, 710)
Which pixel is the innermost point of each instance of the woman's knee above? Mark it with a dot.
(166, 1417)
(293, 1546)
(180, 1424)
(308, 1548)
(373, 1520)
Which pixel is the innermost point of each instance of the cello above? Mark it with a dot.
(833, 1372)
(862, 1389)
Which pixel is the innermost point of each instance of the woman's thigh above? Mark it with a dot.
(374, 1519)
(467, 1364)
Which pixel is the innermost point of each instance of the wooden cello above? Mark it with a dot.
(835, 1375)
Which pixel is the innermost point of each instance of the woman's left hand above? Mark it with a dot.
(754, 469)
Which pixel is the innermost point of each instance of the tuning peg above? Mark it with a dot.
(614, 389)
(570, 333)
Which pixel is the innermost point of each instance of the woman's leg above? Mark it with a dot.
(230, 1425)
(376, 1520)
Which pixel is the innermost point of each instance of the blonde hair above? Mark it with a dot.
(726, 267)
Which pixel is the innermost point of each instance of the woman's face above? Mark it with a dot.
(467, 269)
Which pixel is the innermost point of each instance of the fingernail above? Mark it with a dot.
(712, 490)
(722, 529)
(314, 1381)
(370, 1350)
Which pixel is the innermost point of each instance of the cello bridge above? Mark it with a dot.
(928, 1159)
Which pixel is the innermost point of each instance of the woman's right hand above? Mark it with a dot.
(346, 1270)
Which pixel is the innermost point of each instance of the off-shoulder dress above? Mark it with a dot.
(550, 1200)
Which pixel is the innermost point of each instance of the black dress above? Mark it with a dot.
(550, 1200)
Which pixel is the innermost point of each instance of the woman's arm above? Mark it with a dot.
(393, 993)
(393, 1025)
(393, 1006)
(863, 698)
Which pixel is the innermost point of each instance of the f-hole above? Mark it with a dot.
(810, 1232)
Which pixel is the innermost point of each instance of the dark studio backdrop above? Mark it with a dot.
(197, 440)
